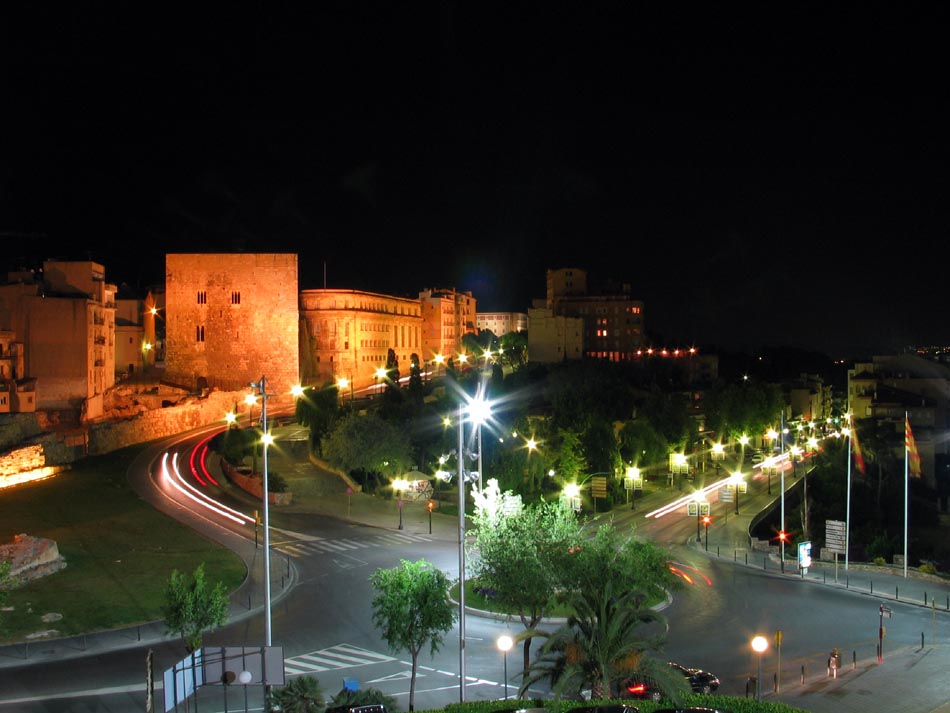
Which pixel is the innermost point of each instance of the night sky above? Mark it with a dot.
(769, 174)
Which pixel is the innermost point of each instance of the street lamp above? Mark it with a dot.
(341, 385)
(505, 643)
(633, 475)
(380, 377)
(250, 400)
(267, 439)
(479, 411)
(464, 477)
(737, 480)
(400, 485)
(760, 645)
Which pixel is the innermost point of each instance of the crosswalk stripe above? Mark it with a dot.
(302, 548)
(333, 658)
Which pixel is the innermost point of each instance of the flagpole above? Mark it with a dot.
(906, 484)
(847, 512)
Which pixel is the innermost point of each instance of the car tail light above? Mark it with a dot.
(637, 688)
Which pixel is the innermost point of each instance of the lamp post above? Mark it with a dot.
(479, 411)
(341, 385)
(505, 643)
(400, 485)
(380, 378)
(737, 480)
(461, 488)
(633, 474)
(250, 400)
(759, 644)
(261, 386)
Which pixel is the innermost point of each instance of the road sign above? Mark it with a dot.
(725, 494)
(692, 509)
(704, 508)
(835, 536)
(598, 486)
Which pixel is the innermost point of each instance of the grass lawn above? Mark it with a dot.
(119, 551)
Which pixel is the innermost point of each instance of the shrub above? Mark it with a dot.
(880, 561)
(276, 483)
(364, 697)
(928, 568)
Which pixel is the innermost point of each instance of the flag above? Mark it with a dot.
(913, 457)
(858, 455)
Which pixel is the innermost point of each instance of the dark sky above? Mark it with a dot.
(768, 174)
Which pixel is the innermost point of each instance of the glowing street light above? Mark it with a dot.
(341, 385)
(634, 478)
(380, 375)
(400, 485)
(267, 439)
(250, 400)
(505, 643)
(737, 480)
(760, 645)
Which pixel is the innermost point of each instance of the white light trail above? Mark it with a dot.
(190, 491)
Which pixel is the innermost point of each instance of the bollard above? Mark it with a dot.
(717, 555)
(921, 640)
(775, 682)
(747, 558)
(871, 582)
(803, 674)
(847, 582)
(854, 660)
(138, 631)
(765, 562)
(925, 598)
(824, 577)
(897, 593)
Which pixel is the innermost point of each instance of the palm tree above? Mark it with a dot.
(301, 695)
(600, 647)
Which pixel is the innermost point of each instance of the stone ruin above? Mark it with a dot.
(31, 557)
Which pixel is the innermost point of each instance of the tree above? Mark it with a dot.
(619, 561)
(192, 607)
(519, 557)
(411, 608)
(302, 695)
(318, 409)
(368, 443)
(600, 647)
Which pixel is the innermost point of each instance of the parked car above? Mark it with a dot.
(694, 709)
(700, 681)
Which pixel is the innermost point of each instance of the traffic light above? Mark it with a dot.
(783, 536)
(430, 505)
(706, 520)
